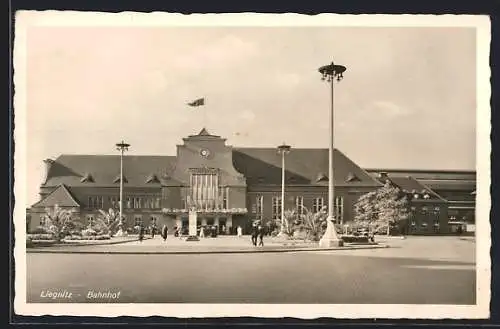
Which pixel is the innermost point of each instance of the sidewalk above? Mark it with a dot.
(221, 244)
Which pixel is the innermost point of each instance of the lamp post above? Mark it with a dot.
(331, 73)
(122, 147)
(283, 150)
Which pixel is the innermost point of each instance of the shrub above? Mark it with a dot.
(75, 233)
(355, 239)
(89, 232)
(59, 222)
(39, 230)
(88, 238)
(41, 236)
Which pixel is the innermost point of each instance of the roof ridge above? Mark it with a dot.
(60, 186)
(427, 188)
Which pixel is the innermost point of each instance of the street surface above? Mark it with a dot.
(418, 270)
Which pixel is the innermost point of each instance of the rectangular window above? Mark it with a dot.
(137, 220)
(259, 207)
(299, 205)
(129, 202)
(43, 221)
(95, 202)
(113, 202)
(137, 203)
(339, 208)
(90, 220)
(157, 203)
(317, 204)
(276, 211)
(205, 192)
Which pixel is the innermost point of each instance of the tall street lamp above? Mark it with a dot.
(283, 150)
(122, 147)
(331, 73)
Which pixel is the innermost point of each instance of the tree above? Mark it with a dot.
(59, 222)
(385, 207)
(107, 221)
(392, 206)
(365, 210)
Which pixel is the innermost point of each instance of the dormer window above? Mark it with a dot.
(351, 177)
(426, 196)
(152, 179)
(322, 177)
(87, 178)
(117, 179)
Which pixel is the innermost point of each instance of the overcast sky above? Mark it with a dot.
(407, 100)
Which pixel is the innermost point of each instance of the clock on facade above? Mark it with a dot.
(205, 153)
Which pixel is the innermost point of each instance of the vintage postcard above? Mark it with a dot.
(217, 165)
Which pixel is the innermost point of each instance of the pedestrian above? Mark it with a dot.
(223, 229)
(202, 232)
(164, 232)
(141, 233)
(239, 231)
(153, 231)
(261, 232)
(254, 234)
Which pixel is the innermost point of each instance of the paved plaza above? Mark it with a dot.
(417, 270)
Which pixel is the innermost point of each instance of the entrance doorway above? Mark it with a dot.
(184, 229)
(222, 225)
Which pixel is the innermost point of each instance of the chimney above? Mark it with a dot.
(48, 166)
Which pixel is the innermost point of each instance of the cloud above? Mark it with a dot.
(225, 51)
(247, 115)
(388, 109)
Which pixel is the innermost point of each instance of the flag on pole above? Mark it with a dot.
(198, 102)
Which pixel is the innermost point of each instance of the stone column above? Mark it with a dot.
(229, 223)
(192, 223)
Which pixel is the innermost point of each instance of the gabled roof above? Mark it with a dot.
(263, 166)
(412, 186)
(60, 196)
(70, 169)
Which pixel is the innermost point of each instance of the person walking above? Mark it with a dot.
(202, 232)
(164, 232)
(261, 232)
(239, 231)
(254, 234)
(153, 231)
(141, 233)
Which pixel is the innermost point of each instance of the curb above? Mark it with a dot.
(76, 244)
(192, 252)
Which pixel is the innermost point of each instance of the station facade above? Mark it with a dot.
(227, 186)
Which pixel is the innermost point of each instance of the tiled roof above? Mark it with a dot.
(411, 185)
(259, 165)
(60, 196)
(104, 169)
(420, 174)
(303, 166)
(464, 185)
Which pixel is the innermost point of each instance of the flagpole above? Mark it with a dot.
(205, 117)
